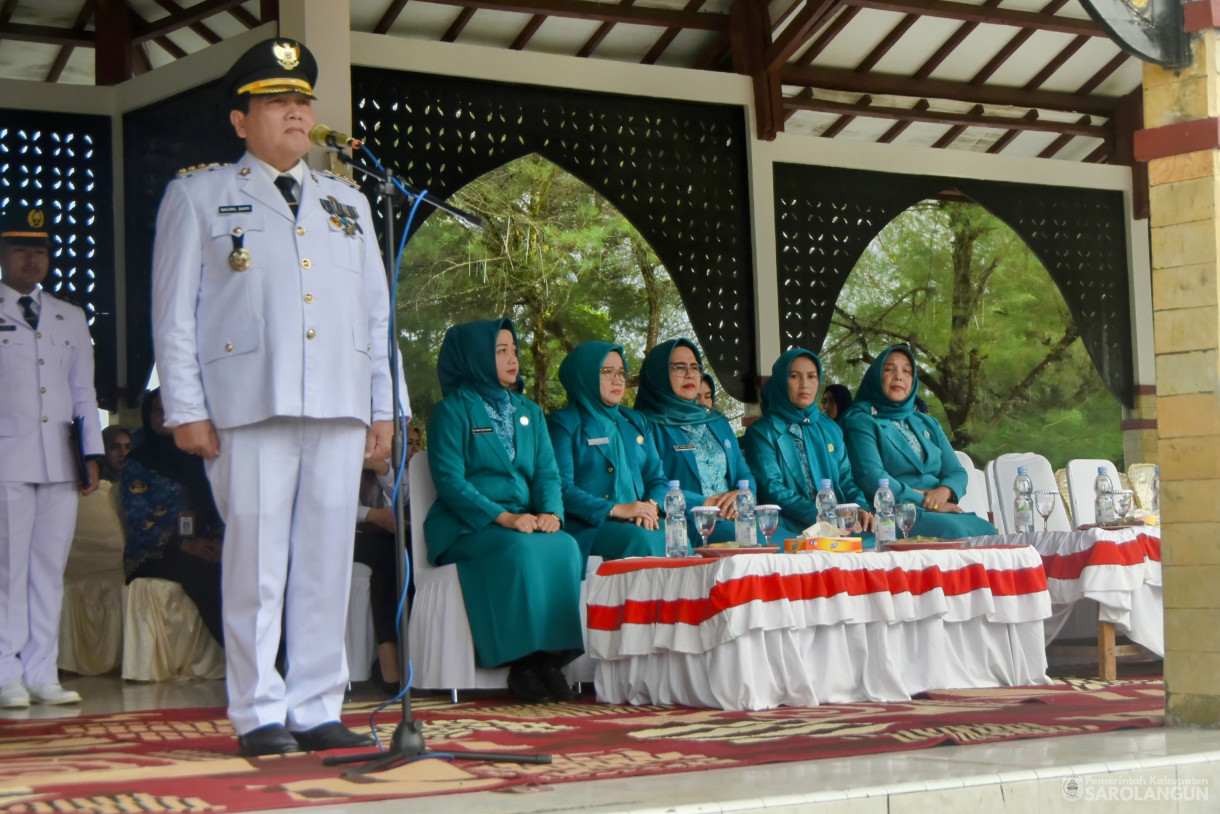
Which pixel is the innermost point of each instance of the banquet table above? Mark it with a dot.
(1120, 569)
(756, 631)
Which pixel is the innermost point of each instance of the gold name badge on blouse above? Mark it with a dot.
(525, 421)
(639, 439)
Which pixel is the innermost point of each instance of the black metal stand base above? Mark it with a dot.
(408, 744)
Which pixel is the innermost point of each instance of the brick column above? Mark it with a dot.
(1181, 142)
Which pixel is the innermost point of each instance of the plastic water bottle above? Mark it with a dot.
(746, 532)
(675, 521)
(884, 522)
(1155, 506)
(1103, 506)
(1023, 501)
(826, 502)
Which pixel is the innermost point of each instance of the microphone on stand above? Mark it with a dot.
(328, 139)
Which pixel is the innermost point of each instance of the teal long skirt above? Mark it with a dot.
(522, 593)
(950, 526)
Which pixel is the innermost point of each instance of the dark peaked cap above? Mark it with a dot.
(25, 227)
(273, 67)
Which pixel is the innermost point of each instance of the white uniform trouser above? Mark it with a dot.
(287, 489)
(37, 521)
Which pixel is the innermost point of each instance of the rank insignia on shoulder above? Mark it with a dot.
(339, 177)
(198, 168)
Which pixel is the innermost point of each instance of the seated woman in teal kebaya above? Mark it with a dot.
(498, 513)
(612, 479)
(698, 447)
(887, 438)
(793, 447)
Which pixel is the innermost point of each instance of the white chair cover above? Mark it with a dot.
(358, 640)
(1081, 472)
(1140, 477)
(1000, 475)
(91, 622)
(975, 500)
(164, 637)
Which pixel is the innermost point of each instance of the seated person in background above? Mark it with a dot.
(498, 513)
(793, 447)
(612, 480)
(698, 447)
(887, 438)
(375, 548)
(116, 441)
(707, 392)
(836, 401)
(172, 527)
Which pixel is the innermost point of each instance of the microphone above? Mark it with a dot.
(328, 139)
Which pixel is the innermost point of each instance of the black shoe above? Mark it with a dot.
(526, 684)
(389, 688)
(333, 735)
(557, 684)
(272, 739)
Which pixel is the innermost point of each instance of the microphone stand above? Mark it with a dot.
(407, 743)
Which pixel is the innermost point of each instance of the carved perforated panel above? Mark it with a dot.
(60, 163)
(826, 217)
(677, 171)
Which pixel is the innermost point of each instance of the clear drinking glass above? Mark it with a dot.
(904, 516)
(848, 516)
(705, 520)
(1044, 504)
(1123, 499)
(767, 516)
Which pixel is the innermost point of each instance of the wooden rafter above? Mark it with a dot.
(916, 114)
(600, 34)
(527, 33)
(183, 19)
(61, 59)
(815, 14)
(892, 85)
(46, 34)
(664, 41)
(389, 17)
(209, 36)
(968, 12)
(455, 28)
(604, 12)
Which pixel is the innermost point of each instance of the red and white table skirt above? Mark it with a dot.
(754, 631)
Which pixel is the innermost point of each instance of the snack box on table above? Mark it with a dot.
(794, 544)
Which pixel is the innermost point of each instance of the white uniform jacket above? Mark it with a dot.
(46, 378)
(302, 332)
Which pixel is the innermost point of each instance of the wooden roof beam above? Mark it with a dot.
(208, 35)
(183, 19)
(666, 39)
(61, 59)
(869, 62)
(389, 17)
(968, 12)
(813, 16)
(914, 114)
(588, 10)
(600, 34)
(840, 21)
(47, 34)
(891, 85)
(528, 32)
(244, 17)
(459, 23)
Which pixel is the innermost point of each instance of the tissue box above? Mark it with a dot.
(795, 544)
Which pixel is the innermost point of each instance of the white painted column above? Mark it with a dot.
(325, 28)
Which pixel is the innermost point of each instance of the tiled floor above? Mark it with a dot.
(1143, 771)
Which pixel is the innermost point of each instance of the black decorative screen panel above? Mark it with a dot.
(677, 171)
(826, 217)
(60, 163)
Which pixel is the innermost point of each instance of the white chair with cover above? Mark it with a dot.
(441, 647)
(91, 623)
(164, 637)
(975, 500)
(1081, 472)
(1000, 476)
(1140, 476)
(359, 643)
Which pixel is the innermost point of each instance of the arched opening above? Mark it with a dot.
(557, 257)
(1001, 361)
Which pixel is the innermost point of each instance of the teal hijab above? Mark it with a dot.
(580, 374)
(818, 432)
(468, 357)
(871, 398)
(656, 398)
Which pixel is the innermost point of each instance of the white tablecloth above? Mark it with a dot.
(1120, 569)
(754, 631)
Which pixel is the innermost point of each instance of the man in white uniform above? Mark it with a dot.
(46, 365)
(271, 323)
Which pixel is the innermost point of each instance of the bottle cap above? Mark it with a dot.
(825, 483)
(1022, 470)
(743, 485)
(674, 484)
(1101, 470)
(883, 483)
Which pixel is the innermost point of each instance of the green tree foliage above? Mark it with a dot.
(1000, 359)
(557, 258)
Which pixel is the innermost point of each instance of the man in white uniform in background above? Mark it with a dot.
(271, 323)
(46, 364)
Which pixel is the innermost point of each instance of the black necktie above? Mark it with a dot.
(287, 185)
(27, 308)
